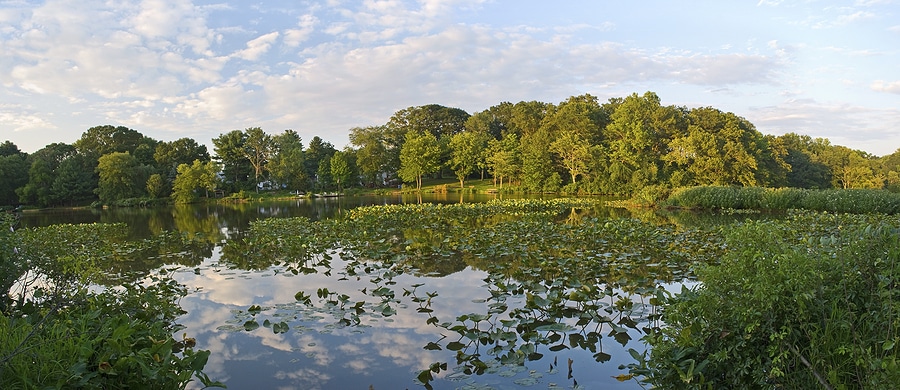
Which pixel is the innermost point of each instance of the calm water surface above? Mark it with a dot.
(317, 352)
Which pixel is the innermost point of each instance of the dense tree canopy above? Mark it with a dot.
(615, 147)
(287, 167)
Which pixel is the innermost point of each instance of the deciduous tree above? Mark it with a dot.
(467, 153)
(341, 172)
(419, 156)
(121, 177)
(372, 155)
(191, 178)
(258, 148)
(236, 168)
(287, 166)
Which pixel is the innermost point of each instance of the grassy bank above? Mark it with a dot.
(856, 201)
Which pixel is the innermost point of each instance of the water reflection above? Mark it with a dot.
(500, 288)
(382, 352)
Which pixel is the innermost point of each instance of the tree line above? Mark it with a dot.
(579, 145)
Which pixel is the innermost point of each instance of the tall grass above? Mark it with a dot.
(856, 201)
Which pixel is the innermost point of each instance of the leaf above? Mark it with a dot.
(559, 347)
(251, 325)
(281, 327)
(455, 345)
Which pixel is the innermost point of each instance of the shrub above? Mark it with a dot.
(553, 183)
(806, 303)
(651, 196)
(856, 201)
(59, 331)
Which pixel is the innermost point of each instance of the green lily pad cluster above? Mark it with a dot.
(559, 277)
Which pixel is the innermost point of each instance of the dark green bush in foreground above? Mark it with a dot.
(57, 331)
(810, 302)
(858, 201)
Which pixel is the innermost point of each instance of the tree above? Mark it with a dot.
(442, 122)
(258, 150)
(372, 154)
(466, 153)
(525, 118)
(317, 152)
(803, 157)
(419, 156)
(574, 126)
(720, 149)
(42, 172)
(890, 169)
(503, 158)
(13, 172)
(637, 138)
(199, 175)
(851, 168)
(581, 115)
(73, 180)
(156, 186)
(230, 152)
(287, 166)
(169, 155)
(341, 172)
(101, 140)
(436, 119)
(573, 151)
(120, 177)
(537, 161)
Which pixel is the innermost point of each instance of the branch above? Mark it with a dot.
(810, 367)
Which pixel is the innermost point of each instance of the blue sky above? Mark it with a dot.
(181, 68)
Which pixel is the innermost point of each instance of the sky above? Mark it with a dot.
(179, 68)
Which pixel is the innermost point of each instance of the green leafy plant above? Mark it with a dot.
(805, 302)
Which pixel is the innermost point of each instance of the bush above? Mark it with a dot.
(553, 183)
(57, 331)
(806, 303)
(569, 189)
(856, 201)
(651, 196)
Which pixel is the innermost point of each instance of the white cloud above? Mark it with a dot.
(257, 47)
(860, 127)
(295, 36)
(21, 119)
(884, 86)
(724, 69)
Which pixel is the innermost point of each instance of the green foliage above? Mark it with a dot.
(258, 147)
(13, 174)
(236, 168)
(419, 156)
(807, 302)
(121, 176)
(194, 177)
(156, 186)
(467, 153)
(341, 172)
(317, 160)
(56, 332)
(836, 200)
(287, 166)
(114, 339)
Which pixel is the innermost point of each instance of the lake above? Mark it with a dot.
(464, 319)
